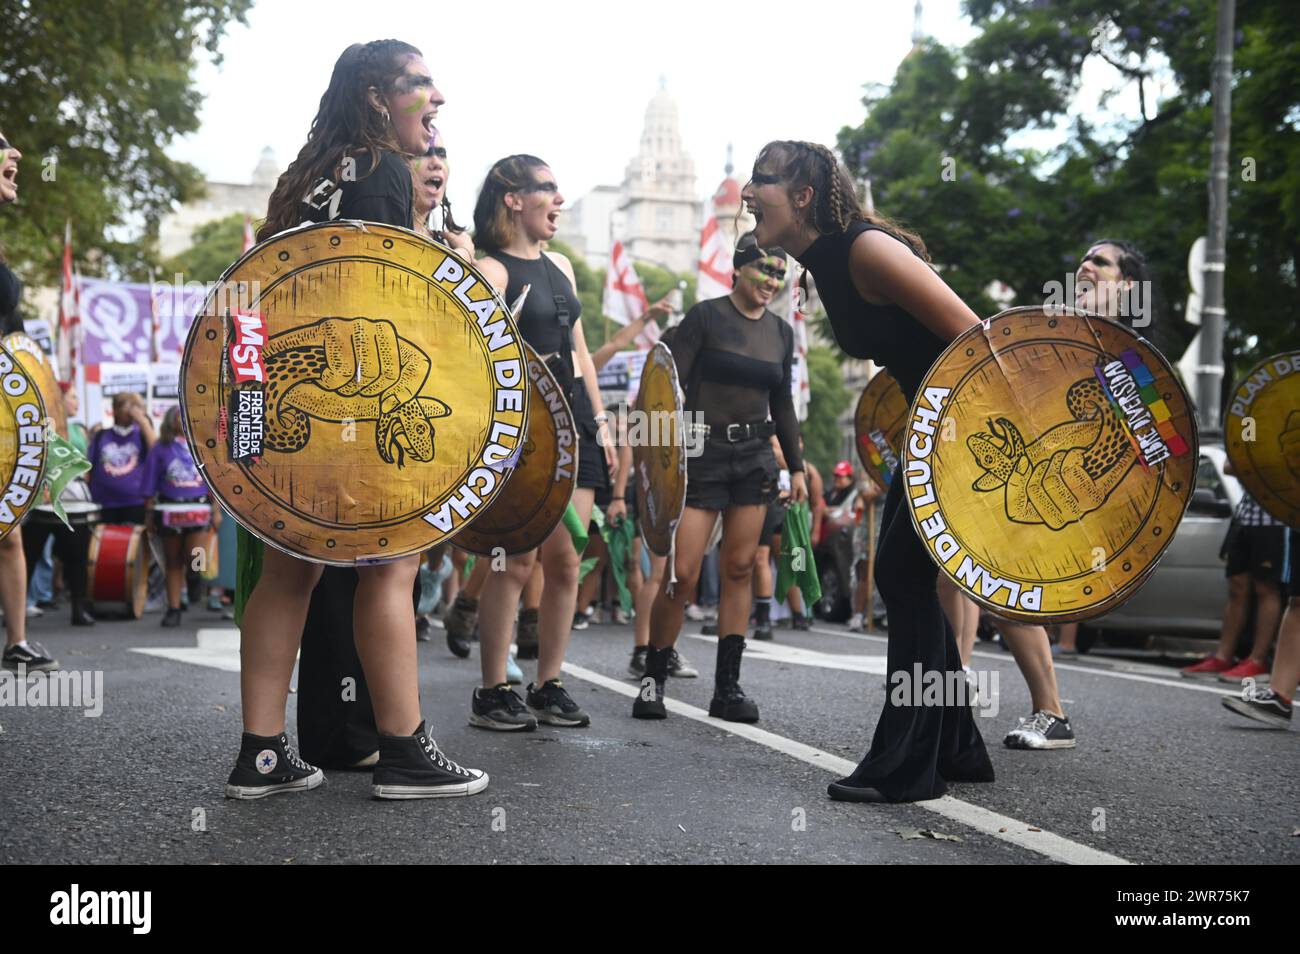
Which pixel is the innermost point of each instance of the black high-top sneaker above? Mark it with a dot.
(649, 702)
(269, 765)
(729, 700)
(460, 623)
(412, 766)
(526, 635)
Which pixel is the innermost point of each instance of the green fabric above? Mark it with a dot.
(796, 566)
(63, 464)
(573, 523)
(77, 436)
(619, 539)
(248, 569)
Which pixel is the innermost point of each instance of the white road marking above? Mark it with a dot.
(776, 652)
(990, 823)
(1223, 689)
(216, 649)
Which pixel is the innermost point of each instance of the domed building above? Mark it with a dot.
(220, 199)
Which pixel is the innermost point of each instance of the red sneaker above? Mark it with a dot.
(1246, 669)
(1209, 666)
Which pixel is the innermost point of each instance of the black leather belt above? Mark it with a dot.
(735, 433)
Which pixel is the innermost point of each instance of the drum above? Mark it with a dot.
(1262, 431)
(354, 392)
(118, 571)
(80, 513)
(182, 516)
(1049, 457)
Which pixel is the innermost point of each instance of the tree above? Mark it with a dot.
(938, 145)
(214, 247)
(93, 94)
(828, 398)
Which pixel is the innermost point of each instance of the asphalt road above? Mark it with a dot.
(1162, 774)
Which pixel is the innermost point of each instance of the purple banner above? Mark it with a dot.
(116, 320)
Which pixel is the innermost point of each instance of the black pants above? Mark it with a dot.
(70, 546)
(336, 722)
(916, 748)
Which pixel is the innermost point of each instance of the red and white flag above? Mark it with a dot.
(249, 241)
(624, 299)
(69, 313)
(715, 269)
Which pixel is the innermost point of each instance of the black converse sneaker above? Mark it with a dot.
(649, 703)
(500, 708)
(553, 705)
(460, 623)
(412, 766)
(636, 665)
(1042, 730)
(269, 765)
(32, 656)
(1262, 705)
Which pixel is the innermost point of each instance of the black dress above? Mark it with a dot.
(335, 731)
(916, 749)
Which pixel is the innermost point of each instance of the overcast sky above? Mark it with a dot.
(567, 80)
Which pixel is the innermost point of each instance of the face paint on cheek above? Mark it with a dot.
(420, 99)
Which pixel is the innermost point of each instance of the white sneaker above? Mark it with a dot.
(855, 624)
(34, 611)
(695, 614)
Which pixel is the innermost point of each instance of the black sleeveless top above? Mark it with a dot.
(550, 300)
(886, 334)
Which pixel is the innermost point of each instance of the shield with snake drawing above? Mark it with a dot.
(878, 425)
(354, 392)
(1049, 456)
(40, 368)
(1261, 430)
(22, 443)
(659, 455)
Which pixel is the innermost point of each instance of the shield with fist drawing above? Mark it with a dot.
(1048, 458)
(1262, 434)
(369, 402)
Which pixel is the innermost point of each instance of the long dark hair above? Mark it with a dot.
(835, 201)
(492, 225)
(345, 122)
(1133, 267)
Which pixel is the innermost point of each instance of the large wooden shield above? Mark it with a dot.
(543, 482)
(658, 450)
(40, 369)
(1262, 433)
(1049, 458)
(878, 426)
(22, 443)
(354, 392)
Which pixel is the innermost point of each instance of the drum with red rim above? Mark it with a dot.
(118, 573)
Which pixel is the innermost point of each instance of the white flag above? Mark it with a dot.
(624, 300)
(715, 269)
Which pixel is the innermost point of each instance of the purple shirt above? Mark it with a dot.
(170, 473)
(117, 467)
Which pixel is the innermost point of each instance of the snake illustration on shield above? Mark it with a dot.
(295, 362)
(1067, 471)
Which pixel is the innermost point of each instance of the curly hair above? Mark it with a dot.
(345, 122)
(835, 201)
(492, 226)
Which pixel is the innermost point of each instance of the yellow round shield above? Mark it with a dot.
(878, 423)
(658, 451)
(1049, 457)
(22, 442)
(40, 368)
(354, 392)
(1262, 433)
(543, 480)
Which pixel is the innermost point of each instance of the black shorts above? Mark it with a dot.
(730, 475)
(1294, 545)
(592, 472)
(773, 523)
(1263, 552)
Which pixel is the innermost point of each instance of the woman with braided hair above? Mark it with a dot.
(884, 302)
(375, 117)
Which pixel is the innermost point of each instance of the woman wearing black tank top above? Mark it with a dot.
(515, 215)
(376, 114)
(886, 303)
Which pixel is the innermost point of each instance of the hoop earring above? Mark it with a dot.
(388, 120)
